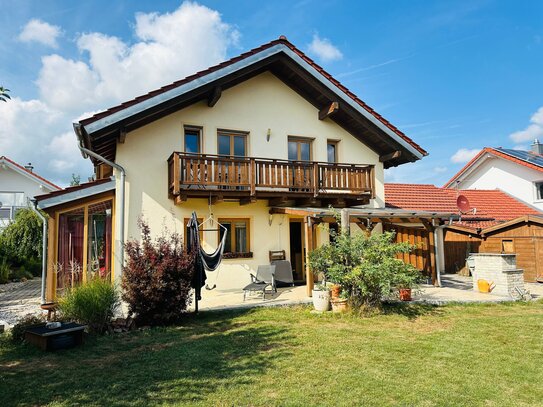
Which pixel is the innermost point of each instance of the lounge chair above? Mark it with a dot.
(283, 273)
(265, 277)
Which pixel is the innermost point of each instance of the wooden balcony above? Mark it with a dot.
(306, 183)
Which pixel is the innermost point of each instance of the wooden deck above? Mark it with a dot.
(250, 178)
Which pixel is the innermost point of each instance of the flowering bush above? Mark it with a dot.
(157, 277)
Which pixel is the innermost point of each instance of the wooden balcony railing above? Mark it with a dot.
(257, 176)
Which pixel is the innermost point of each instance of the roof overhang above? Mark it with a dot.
(49, 201)
(101, 134)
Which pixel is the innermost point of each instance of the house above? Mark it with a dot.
(263, 144)
(17, 185)
(496, 223)
(517, 172)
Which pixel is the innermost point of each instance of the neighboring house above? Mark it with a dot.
(264, 143)
(497, 223)
(17, 185)
(517, 172)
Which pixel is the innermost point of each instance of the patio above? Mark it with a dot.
(454, 288)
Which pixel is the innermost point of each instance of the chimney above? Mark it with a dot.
(29, 167)
(537, 148)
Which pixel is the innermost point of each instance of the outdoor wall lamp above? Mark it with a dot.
(268, 135)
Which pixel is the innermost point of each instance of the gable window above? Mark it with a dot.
(299, 149)
(237, 238)
(192, 140)
(331, 151)
(508, 246)
(232, 143)
(539, 190)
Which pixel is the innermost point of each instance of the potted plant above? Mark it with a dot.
(405, 282)
(336, 291)
(340, 303)
(321, 297)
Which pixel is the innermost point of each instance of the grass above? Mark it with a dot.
(461, 355)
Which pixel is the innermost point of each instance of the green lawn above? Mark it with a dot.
(455, 355)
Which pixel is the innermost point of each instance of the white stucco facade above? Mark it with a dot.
(16, 188)
(492, 172)
(254, 106)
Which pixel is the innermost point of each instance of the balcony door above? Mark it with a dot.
(234, 172)
(299, 149)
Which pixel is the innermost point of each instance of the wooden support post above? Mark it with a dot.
(252, 176)
(432, 250)
(345, 221)
(176, 174)
(309, 246)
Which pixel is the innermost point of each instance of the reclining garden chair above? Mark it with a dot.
(265, 277)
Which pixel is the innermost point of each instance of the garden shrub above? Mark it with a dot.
(5, 270)
(18, 330)
(365, 266)
(157, 277)
(22, 238)
(92, 303)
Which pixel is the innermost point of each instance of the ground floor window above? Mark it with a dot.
(84, 244)
(237, 238)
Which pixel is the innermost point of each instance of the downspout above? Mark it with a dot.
(34, 207)
(86, 152)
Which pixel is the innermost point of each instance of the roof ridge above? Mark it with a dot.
(281, 40)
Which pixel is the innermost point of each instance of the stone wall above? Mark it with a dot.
(499, 269)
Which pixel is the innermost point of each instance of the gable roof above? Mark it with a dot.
(100, 131)
(520, 157)
(493, 206)
(27, 173)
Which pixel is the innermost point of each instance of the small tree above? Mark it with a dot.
(76, 180)
(157, 277)
(21, 240)
(365, 266)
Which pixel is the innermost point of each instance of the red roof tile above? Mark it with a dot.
(31, 173)
(281, 40)
(492, 206)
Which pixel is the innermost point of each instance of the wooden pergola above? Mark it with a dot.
(418, 227)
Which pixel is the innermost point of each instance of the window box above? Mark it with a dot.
(247, 255)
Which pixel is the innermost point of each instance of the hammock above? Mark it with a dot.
(204, 261)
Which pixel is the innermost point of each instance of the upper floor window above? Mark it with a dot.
(12, 199)
(539, 190)
(233, 143)
(192, 140)
(331, 151)
(299, 149)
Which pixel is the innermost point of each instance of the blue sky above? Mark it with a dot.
(452, 75)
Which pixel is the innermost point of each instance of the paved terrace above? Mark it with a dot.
(20, 299)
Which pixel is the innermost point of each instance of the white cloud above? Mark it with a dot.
(324, 49)
(170, 46)
(40, 31)
(464, 155)
(533, 131)
(167, 47)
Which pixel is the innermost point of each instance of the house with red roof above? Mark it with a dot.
(517, 172)
(259, 146)
(494, 222)
(18, 184)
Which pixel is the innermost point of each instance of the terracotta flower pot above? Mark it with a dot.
(336, 289)
(340, 305)
(405, 294)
